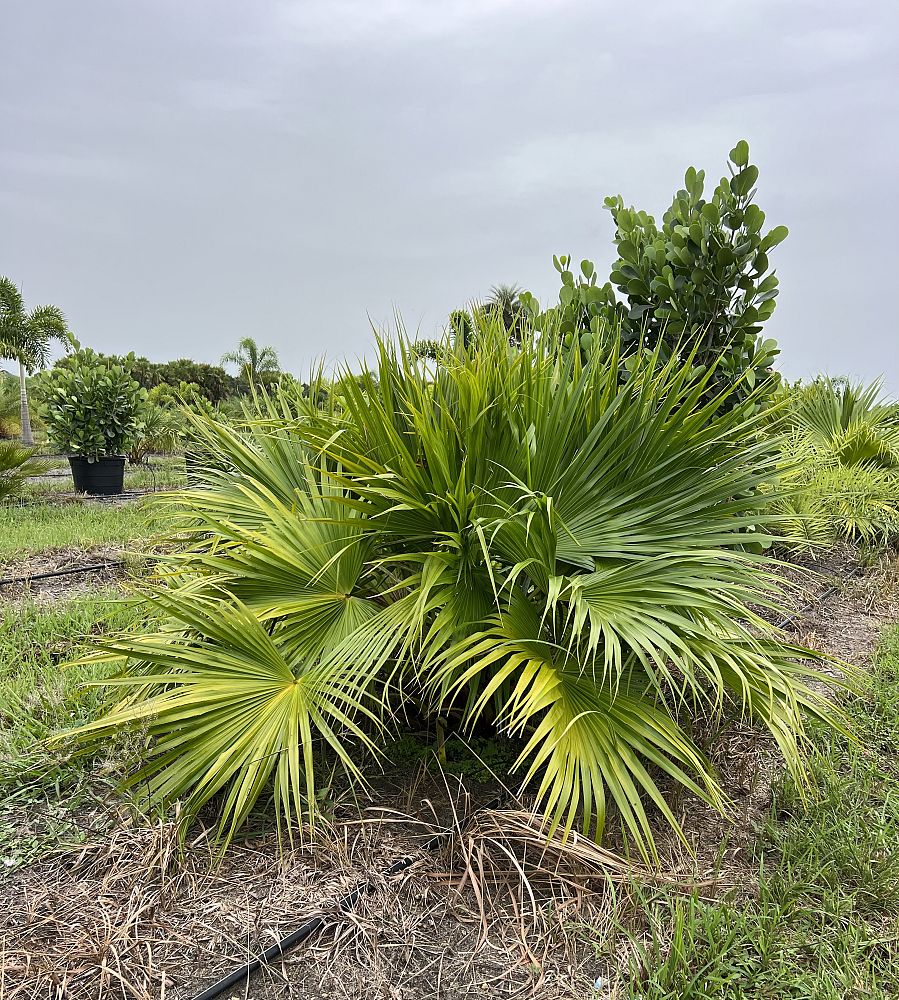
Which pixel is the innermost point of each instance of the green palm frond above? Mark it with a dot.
(252, 359)
(516, 535)
(17, 466)
(842, 464)
(235, 709)
(830, 501)
(852, 421)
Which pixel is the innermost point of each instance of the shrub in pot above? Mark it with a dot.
(94, 413)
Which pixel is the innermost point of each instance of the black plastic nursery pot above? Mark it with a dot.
(104, 477)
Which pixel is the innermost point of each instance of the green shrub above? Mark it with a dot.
(698, 286)
(842, 459)
(91, 406)
(850, 421)
(211, 380)
(160, 433)
(516, 540)
(829, 502)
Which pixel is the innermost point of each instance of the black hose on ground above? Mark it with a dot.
(241, 974)
(820, 599)
(96, 568)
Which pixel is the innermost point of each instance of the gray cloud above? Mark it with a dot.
(176, 176)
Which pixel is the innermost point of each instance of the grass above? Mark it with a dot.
(35, 528)
(37, 696)
(39, 788)
(824, 922)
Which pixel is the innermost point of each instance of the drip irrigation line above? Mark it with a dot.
(95, 568)
(66, 499)
(241, 975)
(821, 598)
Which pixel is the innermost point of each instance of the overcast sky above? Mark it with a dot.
(177, 174)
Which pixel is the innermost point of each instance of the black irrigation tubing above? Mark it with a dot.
(241, 975)
(95, 568)
(821, 598)
(64, 499)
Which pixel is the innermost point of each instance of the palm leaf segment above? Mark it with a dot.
(515, 537)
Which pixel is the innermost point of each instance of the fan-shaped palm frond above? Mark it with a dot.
(829, 501)
(850, 420)
(17, 466)
(515, 537)
(846, 481)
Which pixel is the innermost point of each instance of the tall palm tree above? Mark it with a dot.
(252, 359)
(9, 404)
(504, 300)
(26, 337)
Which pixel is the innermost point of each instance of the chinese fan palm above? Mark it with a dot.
(850, 422)
(846, 482)
(514, 539)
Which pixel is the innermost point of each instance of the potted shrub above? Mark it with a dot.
(93, 410)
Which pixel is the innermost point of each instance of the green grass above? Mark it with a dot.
(38, 696)
(40, 789)
(824, 922)
(35, 528)
(159, 473)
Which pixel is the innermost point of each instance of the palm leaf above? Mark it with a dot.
(519, 534)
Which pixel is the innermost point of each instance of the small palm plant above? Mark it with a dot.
(850, 420)
(843, 459)
(514, 539)
(17, 466)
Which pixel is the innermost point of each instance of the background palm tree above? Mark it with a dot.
(504, 300)
(252, 359)
(9, 405)
(26, 337)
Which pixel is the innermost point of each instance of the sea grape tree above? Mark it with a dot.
(701, 282)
